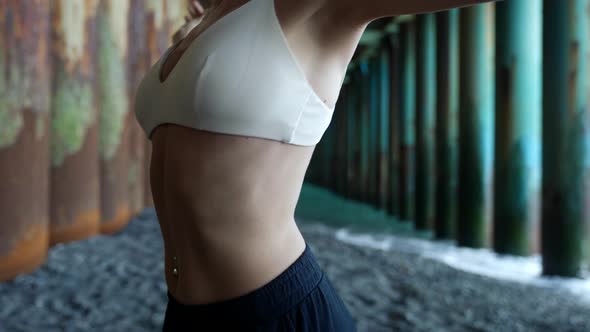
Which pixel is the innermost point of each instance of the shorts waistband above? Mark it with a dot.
(271, 300)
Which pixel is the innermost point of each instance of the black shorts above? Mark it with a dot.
(300, 299)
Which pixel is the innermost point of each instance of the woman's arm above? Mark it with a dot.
(368, 10)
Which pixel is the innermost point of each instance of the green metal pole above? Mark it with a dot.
(310, 174)
(318, 162)
(339, 118)
(518, 132)
(352, 138)
(384, 123)
(447, 133)
(407, 130)
(425, 124)
(375, 141)
(566, 133)
(394, 117)
(364, 128)
(328, 157)
(314, 171)
(476, 125)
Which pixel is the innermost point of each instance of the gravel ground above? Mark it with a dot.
(116, 284)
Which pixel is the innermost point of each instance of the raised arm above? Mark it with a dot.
(368, 10)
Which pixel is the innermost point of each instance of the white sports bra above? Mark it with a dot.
(237, 77)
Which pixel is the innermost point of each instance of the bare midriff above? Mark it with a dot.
(226, 206)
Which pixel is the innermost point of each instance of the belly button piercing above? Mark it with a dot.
(175, 269)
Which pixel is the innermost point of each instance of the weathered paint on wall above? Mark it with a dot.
(24, 148)
(20, 57)
(476, 127)
(74, 193)
(157, 36)
(11, 120)
(72, 115)
(156, 9)
(425, 121)
(518, 133)
(157, 26)
(112, 25)
(175, 12)
(447, 129)
(72, 109)
(112, 37)
(138, 65)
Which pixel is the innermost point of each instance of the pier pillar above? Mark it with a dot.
(476, 125)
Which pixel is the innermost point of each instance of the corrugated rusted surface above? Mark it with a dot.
(138, 64)
(394, 136)
(112, 25)
(24, 135)
(425, 121)
(476, 125)
(566, 133)
(157, 42)
(74, 193)
(407, 123)
(384, 129)
(447, 129)
(518, 121)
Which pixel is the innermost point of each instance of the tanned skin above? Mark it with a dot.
(226, 203)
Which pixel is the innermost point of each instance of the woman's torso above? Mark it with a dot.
(225, 206)
(226, 203)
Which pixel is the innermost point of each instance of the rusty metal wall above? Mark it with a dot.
(112, 24)
(157, 40)
(24, 135)
(138, 64)
(74, 184)
(175, 12)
